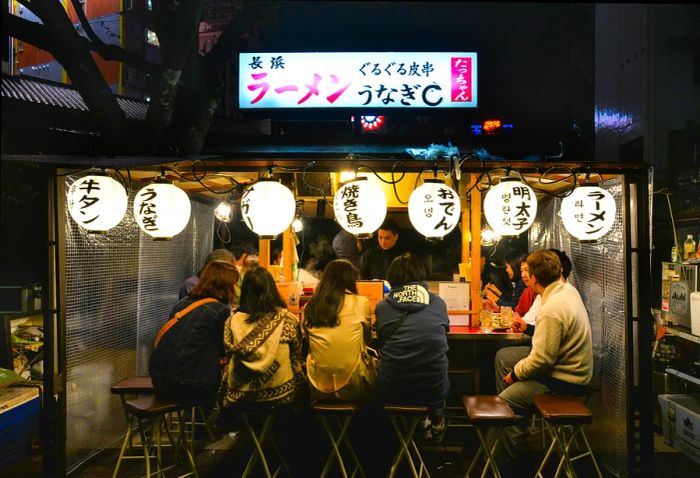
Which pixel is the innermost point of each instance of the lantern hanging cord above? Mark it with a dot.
(223, 233)
(198, 179)
(321, 189)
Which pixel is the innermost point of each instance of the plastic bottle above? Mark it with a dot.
(689, 248)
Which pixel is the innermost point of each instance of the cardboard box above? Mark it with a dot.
(681, 423)
(373, 290)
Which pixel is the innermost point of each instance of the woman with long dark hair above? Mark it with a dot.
(263, 340)
(495, 298)
(184, 364)
(337, 325)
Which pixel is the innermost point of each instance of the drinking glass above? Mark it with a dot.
(506, 317)
(485, 317)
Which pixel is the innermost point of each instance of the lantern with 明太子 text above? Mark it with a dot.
(588, 213)
(510, 207)
(360, 207)
(268, 207)
(97, 203)
(162, 210)
(434, 209)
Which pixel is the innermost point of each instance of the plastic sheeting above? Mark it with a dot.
(599, 275)
(120, 288)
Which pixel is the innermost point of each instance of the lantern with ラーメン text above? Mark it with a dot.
(510, 207)
(588, 213)
(268, 207)
(434, 209)
(162, 210)
(360, 207)
(96, 203)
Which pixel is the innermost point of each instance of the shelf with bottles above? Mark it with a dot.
(682, 332)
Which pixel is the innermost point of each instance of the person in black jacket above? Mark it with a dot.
(184, 363)
(374, 262)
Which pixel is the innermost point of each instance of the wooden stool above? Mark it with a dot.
(340, 414)
(487, 411)
(562, 412)
(405, 419)
(149, 408)
(266, 415)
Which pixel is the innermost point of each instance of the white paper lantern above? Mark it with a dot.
(268, 208)
(162, 210)
(588, 212)
(434, 209)
(97, 203)
(360, 207)
(510, 207)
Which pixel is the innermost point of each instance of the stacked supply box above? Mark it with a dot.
(19, 421)
(681, 423)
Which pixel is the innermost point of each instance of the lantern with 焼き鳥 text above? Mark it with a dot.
(360, 207)
(162, 210)
(97, 203)
(434, 209)
(268, 207)
(510, 207)
(588, 213)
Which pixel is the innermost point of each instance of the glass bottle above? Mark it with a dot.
(674, 254)
(689, 248)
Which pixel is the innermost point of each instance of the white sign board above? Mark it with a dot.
(357, 80)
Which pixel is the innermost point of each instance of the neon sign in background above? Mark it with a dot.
(356, 80)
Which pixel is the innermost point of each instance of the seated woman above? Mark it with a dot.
(412, 326)
(184, 364)
(495, 298)
(337, 325)
(263, 341)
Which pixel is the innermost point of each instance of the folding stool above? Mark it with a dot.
(341, 414)
(487, 411)
(562, 412)
(405, 419)
(149, 408)
(260, 435)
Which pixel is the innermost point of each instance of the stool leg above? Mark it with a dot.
(146, 448)
(564, 446)
(550, 450)
(490, 463)
(257, 443)
(127, 442)
(335, 451)
(205, 423)
(405, 440)
(590, 451)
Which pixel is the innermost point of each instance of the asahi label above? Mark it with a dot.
(679, 298)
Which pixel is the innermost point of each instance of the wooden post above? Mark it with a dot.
(264, 253)
(475, 244)
(287, 253)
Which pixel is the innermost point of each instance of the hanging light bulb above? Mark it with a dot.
(224, 212)
(268, 207)
(360, 207)
(162, 210)
(588, 213)
(488, 237)
(297, 224)
(434, 209)
(510, 207)
(96, 203)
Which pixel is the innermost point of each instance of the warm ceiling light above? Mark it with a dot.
(434, 209)
(97, 203)
(510, 207)
(360, 207)
(268, 207)
(588, 213)
(224, 212)
(297, 224)
(162, 210)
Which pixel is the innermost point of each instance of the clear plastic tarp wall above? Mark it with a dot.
(599, 275)
(120, 288)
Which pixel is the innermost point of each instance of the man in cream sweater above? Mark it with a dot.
(561, 359)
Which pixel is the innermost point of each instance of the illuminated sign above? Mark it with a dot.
(356, 80)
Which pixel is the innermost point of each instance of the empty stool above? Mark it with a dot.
(405, 419)
(335, 419)
(149, 408)
(561, 412)
(487, 411)
(258, 419)
(132, 386)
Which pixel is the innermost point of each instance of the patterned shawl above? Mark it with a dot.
(265, 363)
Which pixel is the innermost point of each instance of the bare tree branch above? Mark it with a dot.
(30, 32)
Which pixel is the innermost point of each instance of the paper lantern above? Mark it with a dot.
(588, 213)
(162, 210)
(268, 208)
(510, 207)
(434, 209)
(360, 207)
(97, 203)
